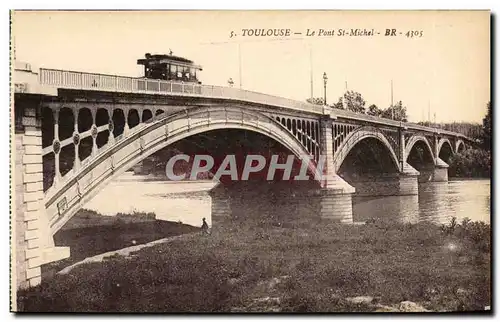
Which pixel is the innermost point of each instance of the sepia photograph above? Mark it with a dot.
(250, 161)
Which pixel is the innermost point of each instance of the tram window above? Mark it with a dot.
(173, 69)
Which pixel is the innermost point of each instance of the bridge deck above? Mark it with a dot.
(66, 79)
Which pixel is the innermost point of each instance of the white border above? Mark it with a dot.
(200, 4)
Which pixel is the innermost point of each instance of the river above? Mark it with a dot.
(189, 202)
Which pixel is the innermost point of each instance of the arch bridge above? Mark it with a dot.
(75, 132)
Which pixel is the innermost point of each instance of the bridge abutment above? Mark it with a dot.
(33, 244)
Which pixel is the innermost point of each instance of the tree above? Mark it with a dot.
(354, 102)
(486, 135)
(339, 105)
(399, 112)
(471, 163)
(316, 100)
(374, 110)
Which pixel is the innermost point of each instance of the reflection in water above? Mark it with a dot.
(434, 202)
(402, 209)
(471, 199)
(185, 202)
(189, 202)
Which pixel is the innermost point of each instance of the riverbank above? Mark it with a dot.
(89, 233)
(267, 266)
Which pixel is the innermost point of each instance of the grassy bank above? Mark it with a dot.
(264, 266)
(89, 233)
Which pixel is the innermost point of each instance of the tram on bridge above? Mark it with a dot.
(170, 67)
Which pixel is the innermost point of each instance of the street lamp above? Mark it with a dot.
(230, 82)
(325, 79)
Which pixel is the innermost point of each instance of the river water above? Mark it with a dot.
(189, 202)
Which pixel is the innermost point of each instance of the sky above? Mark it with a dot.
(445, 72)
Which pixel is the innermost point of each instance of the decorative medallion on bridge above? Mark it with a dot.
(93, 131)
(56, 146)
(78, 190)
(62, 206)
(76, 138)
(111, 126)
(141, 143)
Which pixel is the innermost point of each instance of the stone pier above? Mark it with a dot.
(220, 205)
(336, 194)
(434, 173)
(32, 244)
(281, 201)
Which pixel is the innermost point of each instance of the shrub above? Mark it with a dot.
(471, 163)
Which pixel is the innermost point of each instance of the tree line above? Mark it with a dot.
(354, 102)
(475, 161)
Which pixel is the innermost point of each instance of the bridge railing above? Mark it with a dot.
(384, 121)
(102, 82)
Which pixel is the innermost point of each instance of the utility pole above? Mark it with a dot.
(392, 103)
(239, 61)
(311, 70)
(344, 98)
(325, 79)
(429, 112)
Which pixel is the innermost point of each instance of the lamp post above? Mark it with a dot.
(325, 80)
(230, 82)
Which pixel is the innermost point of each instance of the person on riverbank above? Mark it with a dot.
(204, 227)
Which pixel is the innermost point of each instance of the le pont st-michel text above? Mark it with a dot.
(262, 32)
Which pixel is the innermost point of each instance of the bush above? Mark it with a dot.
(471, 163)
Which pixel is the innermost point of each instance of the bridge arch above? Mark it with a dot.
(445, 149)
(65, 199)
(459, 146)
(357, 136)
(415, 139)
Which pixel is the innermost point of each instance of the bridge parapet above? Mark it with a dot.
(48, 81)
(101, 82)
